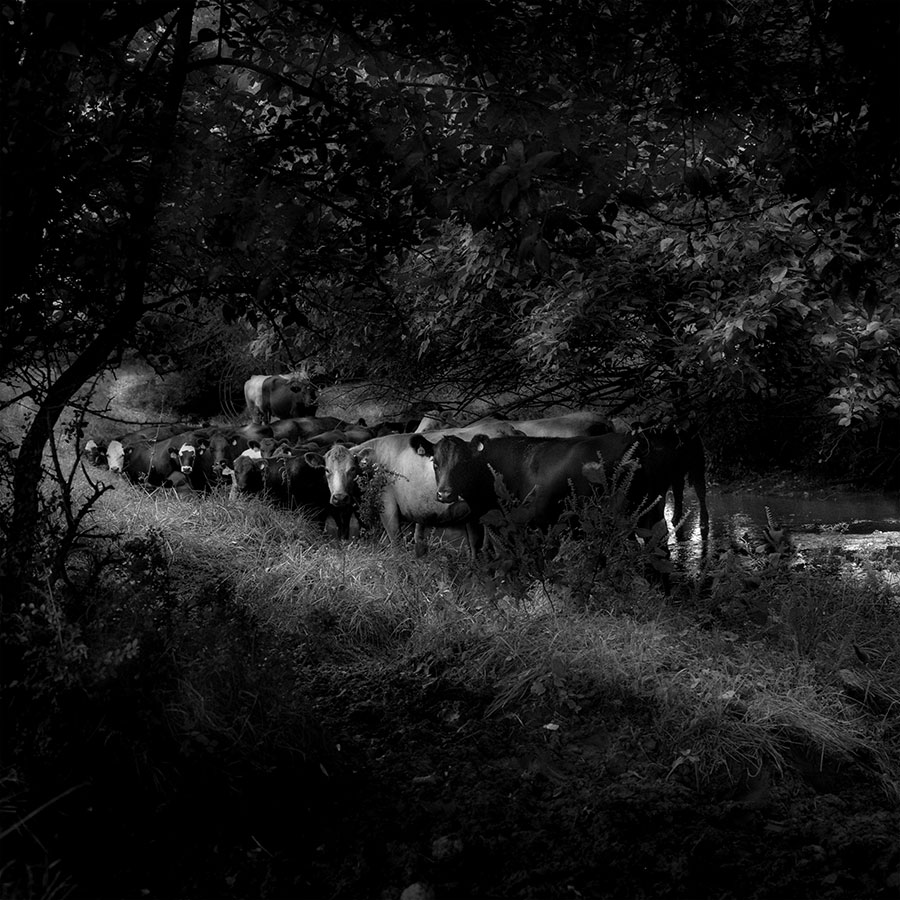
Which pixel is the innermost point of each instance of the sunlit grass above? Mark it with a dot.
(721, 703)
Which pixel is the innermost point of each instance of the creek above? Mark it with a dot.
(818, 518)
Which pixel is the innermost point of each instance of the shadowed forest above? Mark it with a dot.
(680, 217)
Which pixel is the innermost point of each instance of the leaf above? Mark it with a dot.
(570, 137)
(778, 275)
(542, 256)
(510, 190)
(515, 155)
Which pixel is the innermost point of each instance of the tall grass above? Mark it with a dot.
(721, 700)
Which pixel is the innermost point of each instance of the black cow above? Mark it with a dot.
(303, 426)
(291, 482)
(115, 451)
(219, 448)
(151, 462)
(543, 469)
(678, 455)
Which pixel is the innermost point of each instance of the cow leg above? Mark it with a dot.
(342, 518)
(700, 488)
(420, 539)
(475, 537)
(390, 520)
(678, 507)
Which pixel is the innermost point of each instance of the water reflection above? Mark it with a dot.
(854, 521)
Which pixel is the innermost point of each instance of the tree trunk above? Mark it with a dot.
(19, 559)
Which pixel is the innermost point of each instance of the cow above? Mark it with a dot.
(291, 482)
(219, 448)
(543, 473)
(180, 484)
(303, 426)
(115, 450)
(279, 396)
(271, 447)
(151, 462)
(408, 493)
(407, 426)
(95, 453)
(573, 424)
(679, 455)
(545, 470)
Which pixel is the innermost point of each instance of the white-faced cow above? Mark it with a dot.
(151, 462)
(279, 396)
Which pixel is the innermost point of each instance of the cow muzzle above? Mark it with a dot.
(340, 499)
(446, 497)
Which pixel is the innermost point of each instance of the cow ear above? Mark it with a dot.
(234, 441)
(203, 445)
(314, 460)
(478, 443)
(421, 445)
(173, 453)
(363, 455)
(253, 445)
(127, 452)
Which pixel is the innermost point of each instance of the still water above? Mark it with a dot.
(854, 521)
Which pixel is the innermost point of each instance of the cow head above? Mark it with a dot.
(115, 457)
(456, 464)
(95, 453)
(341, 470)
(248, 474)
(219, 452)
(184, 458)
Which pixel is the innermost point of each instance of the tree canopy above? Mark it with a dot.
(686, 212)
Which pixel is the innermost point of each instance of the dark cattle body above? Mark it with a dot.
(549, 466)
(573, 424)
(279, 396)
(95, 453)
(151, 464)
(219, 449)
(290, 481)
(678, 456)
(406, 427)
(543, 469)
(179, 483)
(115, 450)
(303, 426)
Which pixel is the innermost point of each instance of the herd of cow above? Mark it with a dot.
(432, 475)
